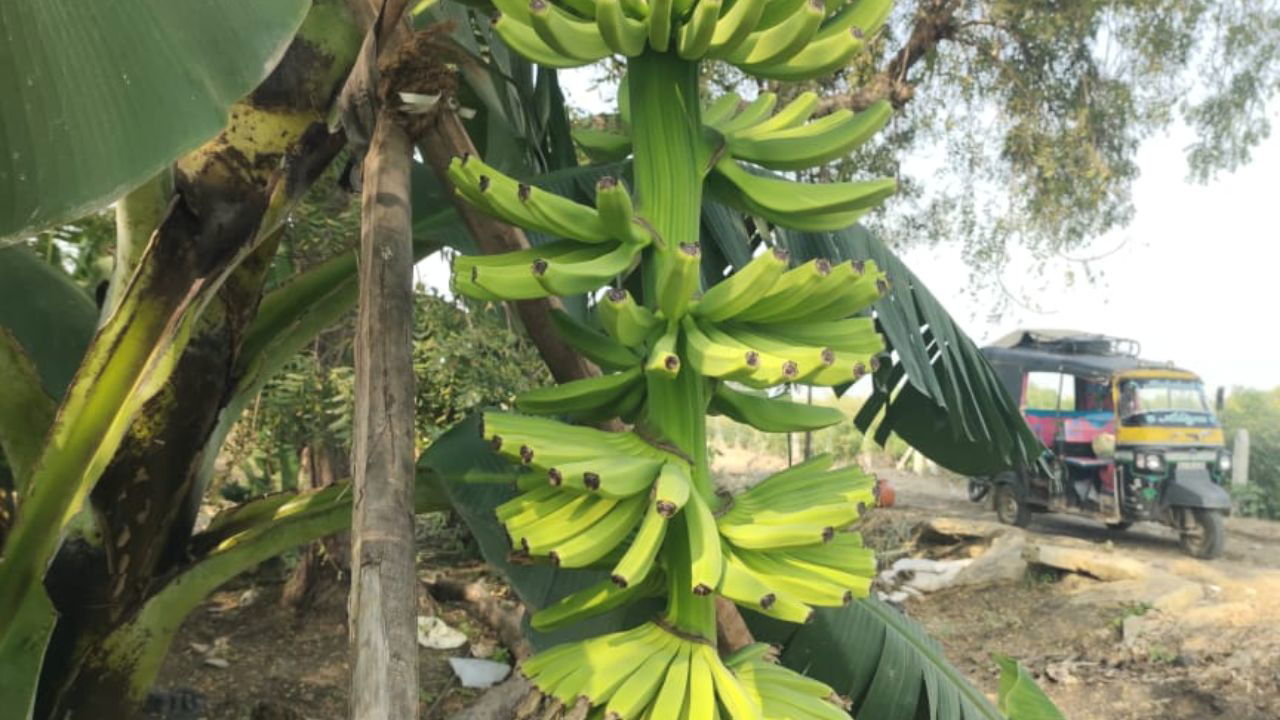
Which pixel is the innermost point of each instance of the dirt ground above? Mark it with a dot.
(1187, 640)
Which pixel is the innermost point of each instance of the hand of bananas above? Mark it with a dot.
(789, 40)
(592, 498)
(641, 504)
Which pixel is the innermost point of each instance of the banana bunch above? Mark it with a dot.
(585, 491)
(781, 693)
(785, 140)
(790, 40)
(785, 549)
(650, 672)
(598, 245)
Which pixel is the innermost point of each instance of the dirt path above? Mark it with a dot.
(1180, 639)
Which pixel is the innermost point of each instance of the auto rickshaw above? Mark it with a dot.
(1127, 439)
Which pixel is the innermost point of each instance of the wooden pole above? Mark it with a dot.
(1240, 459)
(383, 601)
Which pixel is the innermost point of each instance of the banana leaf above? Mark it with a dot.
(49, 315)
(100, 96)
(1020, 697)
(477, 481)
(937, 391)
(882, 660)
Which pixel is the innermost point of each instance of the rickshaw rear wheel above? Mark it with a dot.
(1205, 535)
(1010, 508)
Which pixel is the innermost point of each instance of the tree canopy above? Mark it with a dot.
(1019, 122)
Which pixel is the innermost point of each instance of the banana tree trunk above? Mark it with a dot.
(214, 242)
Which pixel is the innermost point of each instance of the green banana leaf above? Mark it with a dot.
(477, 481)
(48, 314)
(26, 411)
(100, 96)
(1020, 697)
(882, 660)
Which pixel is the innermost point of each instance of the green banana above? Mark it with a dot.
(613, 203)
(539, 536)
(633, 695)
(740, 290)
(681, 279)
(777, 11)
(756, 111)
(823, 56)
(734, 27)
(792, 289)
(660, 25)
(602, 146)
(723, 107)
(591, 601)
(627, 321)
(771, 414)
(730, 692)
(701, 701)
(745, 588)
(793, 114)
(637, 562)
(622, 34)
(810, 361)
(578, 395)
(561, 277)
(695, 35)
(812, 205)
(599, 348)
(714, 359)
(782, 42)
(750, 654)
(525, 205)
(566, 33)
(671, 489)
(671, 698)
(615, 476)
(855, 335)
(704, 546)
(595, 542)
(522, 38)
(803, 147)
(663, 360)
(505, 277)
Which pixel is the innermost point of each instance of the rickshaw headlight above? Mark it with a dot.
(1152, 462)
(1224, 462)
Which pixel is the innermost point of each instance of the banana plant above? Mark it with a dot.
(638, 498)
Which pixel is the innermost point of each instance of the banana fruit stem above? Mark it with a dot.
(666, 122)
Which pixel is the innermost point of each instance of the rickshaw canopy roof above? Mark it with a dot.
(1090, 355)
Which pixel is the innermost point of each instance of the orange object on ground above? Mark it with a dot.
(884, 493)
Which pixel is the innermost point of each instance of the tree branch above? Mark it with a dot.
(934, 22)
(445, 139)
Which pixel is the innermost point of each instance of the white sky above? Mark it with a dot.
(1194, 280)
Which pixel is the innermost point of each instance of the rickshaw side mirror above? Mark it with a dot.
(1220, 399)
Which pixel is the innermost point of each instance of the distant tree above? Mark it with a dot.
(1035, 110)
(1258, 411)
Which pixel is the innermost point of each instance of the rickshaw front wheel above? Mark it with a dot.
(1010, 508)
(1203, 533)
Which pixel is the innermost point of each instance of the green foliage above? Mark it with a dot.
(850, 648)
(1044, 106)
(1019, 697)
(156, 80)
(1257, 411)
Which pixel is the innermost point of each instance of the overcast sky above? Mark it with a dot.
(1195, 277)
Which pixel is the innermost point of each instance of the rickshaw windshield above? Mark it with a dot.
(1164, 401)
